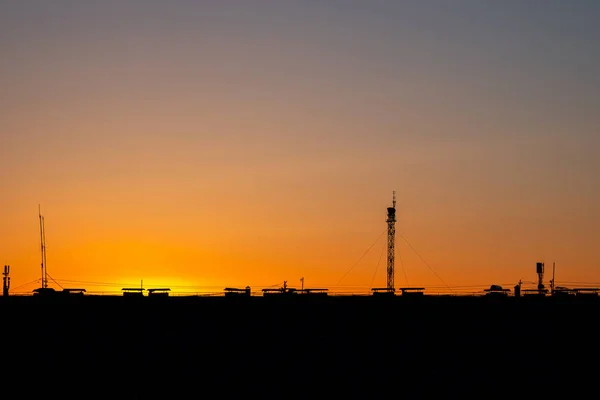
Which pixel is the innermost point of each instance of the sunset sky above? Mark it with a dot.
(204, 144)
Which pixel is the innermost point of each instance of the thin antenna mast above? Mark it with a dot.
(553, 277)
(43, 248)
(45, 251)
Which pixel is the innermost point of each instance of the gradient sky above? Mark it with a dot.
(206, 144)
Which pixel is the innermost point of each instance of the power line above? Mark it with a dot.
(26, 284)
(55, 281)
(361, 257)
(377, 267)
(403, 269)
(426, 263)
(277, 284)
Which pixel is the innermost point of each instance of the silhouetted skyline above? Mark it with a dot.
(235, 143)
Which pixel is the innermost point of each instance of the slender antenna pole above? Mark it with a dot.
(45, 261)
(553, 277)
(42, 247)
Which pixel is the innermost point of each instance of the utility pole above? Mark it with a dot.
(302, 280)
(391, 221)
(6, 280)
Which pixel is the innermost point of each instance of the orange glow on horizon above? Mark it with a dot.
(342, 266)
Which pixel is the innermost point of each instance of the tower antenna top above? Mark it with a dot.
(394, 199)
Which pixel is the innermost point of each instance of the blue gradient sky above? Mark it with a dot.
(224, 142)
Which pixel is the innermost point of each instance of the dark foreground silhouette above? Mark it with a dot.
(300, 346)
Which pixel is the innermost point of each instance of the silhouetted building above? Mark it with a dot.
(563, 292)
(159, 292)
(73, 292)
(284, 290)
(386, 291)
(587, 292)
(44, 292)
(237, 292)
(412, 291)
(279, 291)
(133, 292)
(534, 292)
(314, 292)
(497, 291)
